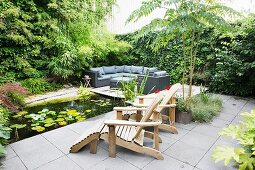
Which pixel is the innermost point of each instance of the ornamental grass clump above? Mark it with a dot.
(205, 106)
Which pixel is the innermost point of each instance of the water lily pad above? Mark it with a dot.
(63, 123)
(20, 114)
(60, 119)
(73, 112)
(39, 128)
(51, 113)
(45, 110)
(27, 116)
(49, 124)
(35, 124)
(80, 118)
(18, 126)
(63, 112)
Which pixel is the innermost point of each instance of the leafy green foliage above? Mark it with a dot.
(84, 93)
(204, 106)
(133, 88)
(39, 85)
(60, 38)
(224, 61)
(185, 18)
(235, 61)
(244, 133)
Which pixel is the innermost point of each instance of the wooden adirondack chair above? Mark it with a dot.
(167, 102)
(124, 133)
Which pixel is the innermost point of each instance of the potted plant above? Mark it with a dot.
(183, 112)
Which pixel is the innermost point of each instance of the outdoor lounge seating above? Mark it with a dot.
(102, 76)
(127, 134)
(167, 102)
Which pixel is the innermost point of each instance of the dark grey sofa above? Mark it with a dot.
(101, 76)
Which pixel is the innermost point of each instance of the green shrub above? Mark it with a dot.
(244, 133)
(205, 106)
(39, 85)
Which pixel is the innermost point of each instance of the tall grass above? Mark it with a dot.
(205, 106)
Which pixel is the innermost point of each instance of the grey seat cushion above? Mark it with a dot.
(119, 79)
(137, 69)
(107, 76)
(129, 75)
(127, 69)
(109, 69)
(104, 78)
(159, 73)
(99, 69)
(149, 70)
(119, 69)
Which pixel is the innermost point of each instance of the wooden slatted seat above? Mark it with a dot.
(127, 134)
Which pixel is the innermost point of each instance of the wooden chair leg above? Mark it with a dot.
(119, 115)
(156, 137)
(139, 113)
(112, 141)
(93, 146)
(172, 112)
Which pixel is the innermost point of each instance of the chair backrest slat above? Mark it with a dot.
(161, 98)
(149, 112)
(168, 95)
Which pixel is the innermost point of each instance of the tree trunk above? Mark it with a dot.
(191, 64)
(184, 63)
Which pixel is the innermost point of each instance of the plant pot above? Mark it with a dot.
(183, 117)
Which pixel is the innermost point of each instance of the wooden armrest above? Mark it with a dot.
(130, 123)
(128, 108)
(146, 97)
(168, 105)
(140, 105)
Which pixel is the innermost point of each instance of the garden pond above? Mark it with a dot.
(38, 119)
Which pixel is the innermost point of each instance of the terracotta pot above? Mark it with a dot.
(183, 117)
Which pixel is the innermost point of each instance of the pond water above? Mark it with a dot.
(39, 119)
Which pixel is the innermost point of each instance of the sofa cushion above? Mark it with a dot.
(109, 69)
(129, 75)
(114, 75)
(137, 69)
(159, 73)
(127, 69)
(107, 76)
(152, 69)
(119, 69)
(99, 69)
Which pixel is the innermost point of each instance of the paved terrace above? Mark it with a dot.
(190, 149)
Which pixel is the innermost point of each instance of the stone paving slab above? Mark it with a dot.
(190, 149)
